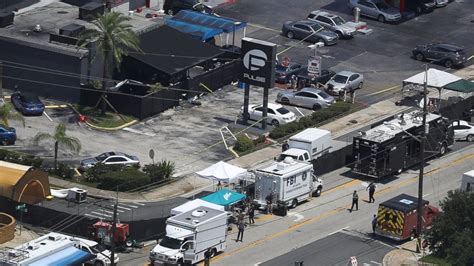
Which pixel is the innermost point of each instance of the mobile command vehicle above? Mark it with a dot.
(467, 183)
(393, 146)
(308, 145)
(396, 217)
(189, 235)
(289, 182)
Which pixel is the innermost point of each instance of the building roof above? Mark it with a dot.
(53, 17)
(171, 51)
(391, 128)
(403, 202)
(23, 183)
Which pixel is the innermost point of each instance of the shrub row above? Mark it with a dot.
(20, 158)
(315, 119)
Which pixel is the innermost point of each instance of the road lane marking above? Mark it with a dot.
(382, 91)
(378, 263)
(298, 216)
(345, 185)
(337, 231)
(131, 206)
(329, 213)
(121, 207)
(264, 217)
(102, 214)
(262, 27)
(471, 57)
(426, 195)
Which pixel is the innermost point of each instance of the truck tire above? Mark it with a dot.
(294, 203)
(443, 149)
(317, 192)
(213, 252)
(99, 263)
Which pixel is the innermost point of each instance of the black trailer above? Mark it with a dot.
(392, 146)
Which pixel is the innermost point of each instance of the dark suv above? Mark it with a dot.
(171, 7)
(448, 54)
(421, 6)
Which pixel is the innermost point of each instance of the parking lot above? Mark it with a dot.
(189, 134)
(383, 56)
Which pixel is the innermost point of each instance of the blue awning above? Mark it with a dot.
(224, 197)
(201, 32)
(67, 256)
(209, 21)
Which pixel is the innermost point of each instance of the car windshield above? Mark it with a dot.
(323, 94)
(283, 111)
(281, 68)
(171, 243)
(101, 157)
(282, 157)
(98, 248)
(31, 99)
(316, 27)
(340, 79)
(338, 20)
(382, 6)
(129, 156)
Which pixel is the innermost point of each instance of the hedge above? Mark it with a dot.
(123, 180)
(315, 119)
(243, 144)
(20, 158)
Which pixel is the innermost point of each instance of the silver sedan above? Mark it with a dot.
(307, 97)
(345, 81)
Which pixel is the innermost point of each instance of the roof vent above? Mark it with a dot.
(199, 213)
(195, 221)
(37, 28)
(288, 160)
(33, 247)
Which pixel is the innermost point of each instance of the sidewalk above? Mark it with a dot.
(404, 255)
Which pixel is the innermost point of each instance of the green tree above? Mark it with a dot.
(113, 36)
(452, 234)
(60, 138)
(8, 112)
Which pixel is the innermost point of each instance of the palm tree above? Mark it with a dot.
(113, 36)
(60, 138)
(7, 113)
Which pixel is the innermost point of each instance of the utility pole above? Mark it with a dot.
(114, 228)
(419, 210)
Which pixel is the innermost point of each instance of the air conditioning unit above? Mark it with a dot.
(6, 19)
(77, 195)
(71, 30)
(90, 11)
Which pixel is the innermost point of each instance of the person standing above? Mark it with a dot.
(371, 189)
(251, 214)
(374, 224)
(240, 235)
(285, 146)
(240, 217)
(219, 185)
(355, 201)
(207, 257)
(269, 200)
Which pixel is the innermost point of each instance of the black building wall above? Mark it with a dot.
(47, 73)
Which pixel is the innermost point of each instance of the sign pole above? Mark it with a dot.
(265, 108)
(246, 103)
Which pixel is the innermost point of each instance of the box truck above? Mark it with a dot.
(396, 217)
(308, 145)
(289, 182)
(189, 235)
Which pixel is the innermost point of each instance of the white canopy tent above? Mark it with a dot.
(190, 205)
(436, 78)
(223, 172)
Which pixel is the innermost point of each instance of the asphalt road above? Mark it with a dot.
(274, 236)
(383, 57)
(334, 250)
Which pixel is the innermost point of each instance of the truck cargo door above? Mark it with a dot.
(390, 220)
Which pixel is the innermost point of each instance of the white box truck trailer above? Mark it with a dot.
(308, 145)
(189, 235)
(289, 182)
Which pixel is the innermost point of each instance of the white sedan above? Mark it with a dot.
(111, 158)
(463, 130)
(276, 114)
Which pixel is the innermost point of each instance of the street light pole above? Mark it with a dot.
(419, 210)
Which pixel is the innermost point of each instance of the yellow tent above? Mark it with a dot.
(23, 184)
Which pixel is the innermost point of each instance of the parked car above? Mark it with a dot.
(310, 31)
(276, 114)
(447, 54)
(284, 73)
(463, 130)
(345, 81)
(307, 97)
(441, 3)
(7, 135)
(377, 9)
(111, 158)
(27, 104)
(333, 22)
(172, 7)
(421, 6)
(323, 78)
